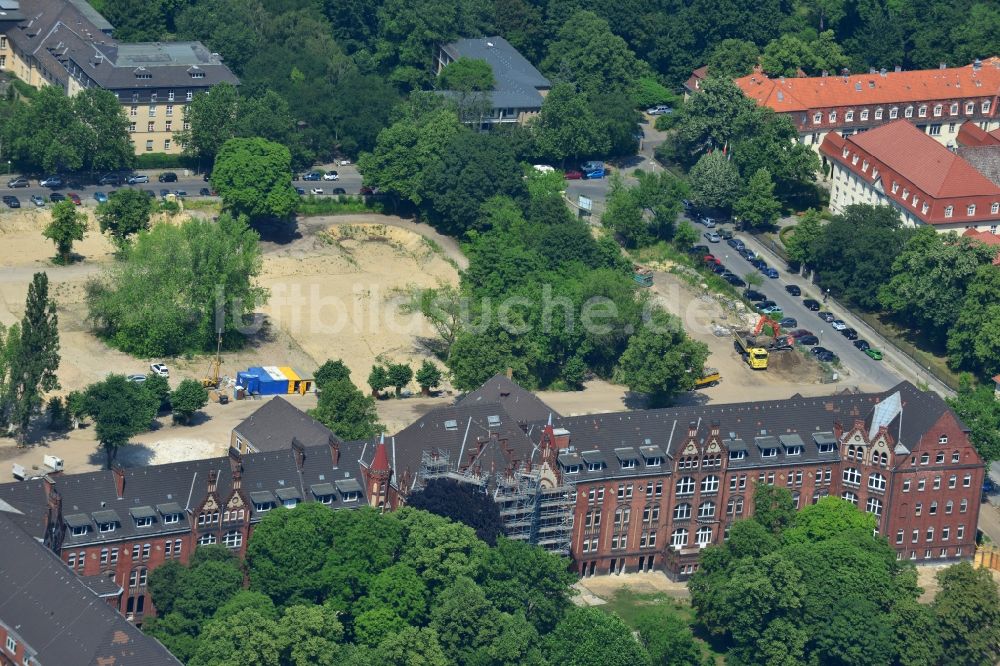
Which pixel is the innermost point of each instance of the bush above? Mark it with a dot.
(164, 161)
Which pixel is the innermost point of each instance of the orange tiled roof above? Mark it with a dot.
(971, 134)
(927, 164)
(801, 94)
(989, 239)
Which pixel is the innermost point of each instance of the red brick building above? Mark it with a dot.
(938, 101)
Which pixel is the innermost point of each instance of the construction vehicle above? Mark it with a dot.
(756, 348)
(642, 276)
(709, 377)
(211, 381)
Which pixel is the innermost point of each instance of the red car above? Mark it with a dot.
(711, 259)
(573, 175)
(75, 198)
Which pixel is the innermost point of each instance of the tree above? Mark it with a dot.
(66, 227)
(105, 136)
(178, 286)
(213, 119)
(519, 578)
(567, 128)
(120, 409)
(715, 182)
(34, 358)
(310, 636)
(686, 235)
(254, 178)
(188, 398)
(287, 550)
(732, 58)
(856, 251)
(828, 518)
(411, 647)
(930, 276)
(438, 549)
(786, 55)
(802, 236)
(57, 415)
(398, 589)
(445, 308)
(757, 206)
(331, 371)
(346, 411)
(244, 637)
(158, 388)
(710, 120)
(126, 213)
(428, 377)
(588, 55)
(773, 507)
(459, 614)
(967, 609)
(828, 13)
(660, 360)
(971, 343)
(591, 636)
(370, 627)
(462, 503)
(474, 168)
(467, 75)
(378, 379)
(979, 409)
(666, 637)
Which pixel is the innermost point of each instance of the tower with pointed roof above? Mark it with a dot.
(379, 475)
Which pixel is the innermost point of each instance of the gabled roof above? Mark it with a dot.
(51, 610)
(277, 422)
(923, 161)
(804, 93)
(517, 82)
(985, 237)
(523, 405)
(971, 134)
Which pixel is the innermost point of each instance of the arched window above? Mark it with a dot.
(706, 510)
(685, 485)
(679, 538)
(682, 511)
(710, 484)
(852, 475)
(876, 481)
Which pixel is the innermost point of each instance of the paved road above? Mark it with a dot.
(350, 182)
(884, 374)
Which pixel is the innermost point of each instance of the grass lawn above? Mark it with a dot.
(628, 605)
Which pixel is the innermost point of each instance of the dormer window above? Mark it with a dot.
(864, 165)
(922, 111)
(81, 530)
(594, 466)
(893, 113)
(864, 114)
(924, 208)
(768, 453)
(895, 187)
(909, 112)
(874, 173)
(737, 455)
(995, 208)
(171, 518)
(878, 114)
(106, 527)
(350, 496)
(827, 448)
(655, 461)
(833, 116)
(986, 106)
(854, 159)
(953, 109)
(906, 194)
(948, 211)
(793, 451)
(970, 108)
(847, 151)
(143, 522)
(971, 210)
(817, 118)
(572, 469)
(938, 110)
(943, 439)
(849, 116)
(262, 507)
(628, 464)
(290, 503)
(197, 75)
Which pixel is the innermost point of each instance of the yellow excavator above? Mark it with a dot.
(211, 381)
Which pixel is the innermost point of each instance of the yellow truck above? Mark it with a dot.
(710, 377)
(753, 351)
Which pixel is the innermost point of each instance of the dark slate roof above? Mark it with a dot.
(52, 611)
(69, 38)
(103, 584)
(472, 433)
(517, 80)
(182, 485)
(521, 404)
(748, 426)
(273, 426)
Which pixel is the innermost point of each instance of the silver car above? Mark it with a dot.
(712, 237)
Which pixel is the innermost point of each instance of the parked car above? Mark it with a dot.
(164, 193)
(838, 325)
(811, 304)
(339, 190)
(766, 303)
(19, 181)
(55, 197)
(711, 259)
(52, 182)
(799, 332)
(793, 289)
(789, 322)
(205, 192)
(167, 177)
(659, 110)
(748, 254)
(136, 378)
(862, 345)
(312, 175)
(300, 190)
(736, 243)
(819, 350)
(727, 234)
(712, 237)
(159, 369)
(343, 162)
(828, 357)
(331, 175)
(180, 193)
(699, 249)
(826, 316)
(849, 333)
(707, 221)
(719, 268)
(38, 200)
(110, 179)
(137, 179)
(75, 198)
(11, 201)
(771, 309)
(807, 340)
(754, 295)
(316, 190)
(573, 174)
(100, 197)
(770, 272)
(735, 280)
(540, 168)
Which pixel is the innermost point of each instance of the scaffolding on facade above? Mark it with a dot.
(531, 511)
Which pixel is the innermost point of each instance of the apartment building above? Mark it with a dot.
(900, 166)
(937, 101)
(67, 43)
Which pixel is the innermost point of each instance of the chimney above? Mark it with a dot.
(897, 69)
(560, 438)
(235, 460)
(510, 373)
(715, 428)
(119, 473)
(213, 477)
(335, 450)
(692, 429)
(882, 71)
(237, 479)
(52, 496)
(299, 450)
